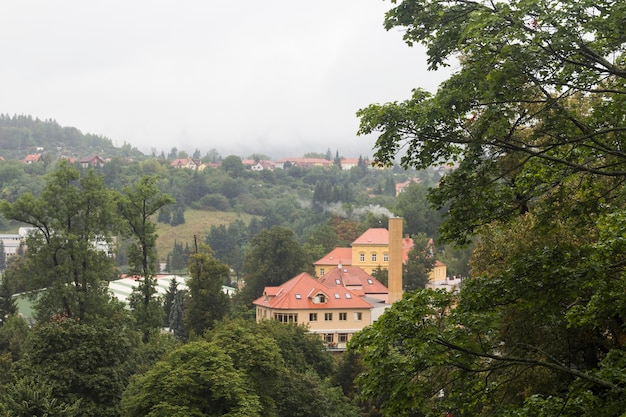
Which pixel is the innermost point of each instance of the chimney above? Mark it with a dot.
(394, 270)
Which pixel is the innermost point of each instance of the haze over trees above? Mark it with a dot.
(535, 119)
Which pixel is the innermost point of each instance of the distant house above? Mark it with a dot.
(401, 186)
(32, 158)
(303, 162)
(187, 163)
(349, 163)
(205, 165)
(335, 308)
(93, 161)
(263, 166)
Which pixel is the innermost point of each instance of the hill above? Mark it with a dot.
(21, 135)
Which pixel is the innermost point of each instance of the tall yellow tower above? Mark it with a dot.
(395, 259)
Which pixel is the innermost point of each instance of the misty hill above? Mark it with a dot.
(21, 135)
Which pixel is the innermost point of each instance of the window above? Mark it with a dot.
(343, 316)
(312, 316)
(328, 316)
(337, 296)
(343, 337)
(373, 257)
(348, 295)
(286, 317)
(362, 257)
(369, 281)
(338, 281)
(321, 272)
(385, 257)
(328, 337)
(358, 316)
(298, 297)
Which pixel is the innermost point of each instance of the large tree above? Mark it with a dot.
(137, 205)
(534, 119)
(207, 303)
(69, 250)
(274, 257)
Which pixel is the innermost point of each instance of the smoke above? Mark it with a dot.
(356, 213)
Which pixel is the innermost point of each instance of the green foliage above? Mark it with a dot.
(196, 379)
(420, 262)
(137, 205)
(81, 362)
(207, 303)
(274, 257)
(67, 254)
(534, 121)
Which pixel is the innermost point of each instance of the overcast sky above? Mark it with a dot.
(277, 77)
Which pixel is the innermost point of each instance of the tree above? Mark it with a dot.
(207, 302)
(233, 166)
(137, 205)
(534, 120)
(168, 301)
(8, 305)
(196, 379)
(3, 257)
(420, 262)
(90, 363)
(68, 253)
(274, 257)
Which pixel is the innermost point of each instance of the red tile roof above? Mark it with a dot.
(373, 236)
(337, 256)
(353, 278)
(300, 291)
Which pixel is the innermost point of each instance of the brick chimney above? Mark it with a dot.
(394, 270)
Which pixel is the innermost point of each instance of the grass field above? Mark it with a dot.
(197, 222)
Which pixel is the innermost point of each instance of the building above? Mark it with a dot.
(187, 163)
(369, 252)
(91, 162)
(335, 307)
(32, 158)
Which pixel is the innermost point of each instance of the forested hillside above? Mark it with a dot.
(21, 135)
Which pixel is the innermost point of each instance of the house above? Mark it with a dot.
(91, 162)
(32, 158)
(335, 308)
(263, 166)
(302, 162)
(206, 165)
(187, 163)
(349, 163)
(402, 186)
(369, 252)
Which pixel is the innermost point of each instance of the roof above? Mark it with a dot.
(380, 236)
(338, 256)
(183, 162)
(373, 236)
(32, 157)
(353, 277)
(300, 292)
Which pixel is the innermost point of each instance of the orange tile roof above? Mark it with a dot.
(299, 293)
(353, 278)
(373, 236)
(337, 256)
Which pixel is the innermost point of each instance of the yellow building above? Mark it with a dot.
(341, 303)
(369, 252)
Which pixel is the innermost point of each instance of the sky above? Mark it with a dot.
(276, 77)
